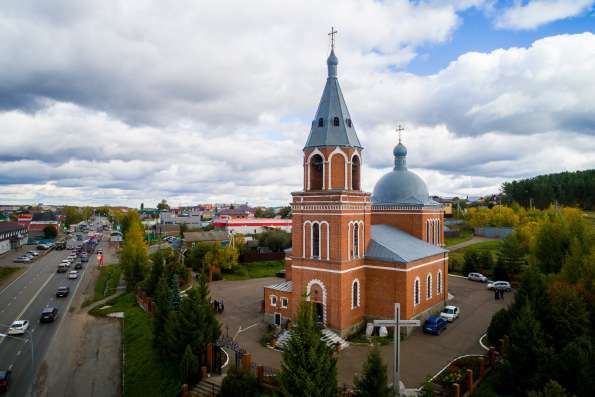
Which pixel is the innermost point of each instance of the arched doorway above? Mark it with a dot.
(317, 294)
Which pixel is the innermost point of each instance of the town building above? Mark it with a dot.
(354, 254)
(41, 220)
(252, 225)
(12, 236)
(213, 236)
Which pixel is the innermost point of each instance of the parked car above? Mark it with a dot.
(48, 315)
(43, 247)
(73, 275)
(435, 325)
(34, 253)
(450, 313)
(62, 292)
(22, 259)
(4, 379)
(477, 277)
(502, 285)
(18, 327)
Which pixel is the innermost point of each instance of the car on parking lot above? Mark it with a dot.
(435, 325)
(477, 277)
(48, 314)
(33, 253)
(73, 275)
(18, 327)
(22, 259)
(450, 313)
(4, 379)
(500, 285)
(43, 247)
(62, 292)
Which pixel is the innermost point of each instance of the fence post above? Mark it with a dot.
(482, 367)
(259, 374)
(210, 357)
(246, 361)
(203, 372)
(470, 380)
(456, 389)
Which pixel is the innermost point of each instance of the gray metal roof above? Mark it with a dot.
(285, 286)
(393, 245)
(332, 104)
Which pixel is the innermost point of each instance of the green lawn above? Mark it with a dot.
(464, 236)
(107, 281)
(145, 372)
(590, 217)
(7, 271)
(255, 270)
(493, 246)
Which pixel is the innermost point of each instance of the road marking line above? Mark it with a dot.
(10, 367)
(33, 299)
(15, 280)
(19, 353)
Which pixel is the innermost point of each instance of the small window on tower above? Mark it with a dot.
(321, 122)
(336, 121)
(349, 123)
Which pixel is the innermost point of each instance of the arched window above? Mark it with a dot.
(416, 292)
(438, 231)
(439, 281)
(316, 172)
(429, 286)
(355, 170)
(428, 231)
(336, 122)
(348, 121)
(316, 240)
(321, 122)
(355, 294)
(356, 240)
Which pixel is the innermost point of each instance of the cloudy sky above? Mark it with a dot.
(123, 102)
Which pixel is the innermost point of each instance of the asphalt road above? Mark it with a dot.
(24, 298)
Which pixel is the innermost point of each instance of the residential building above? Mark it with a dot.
(192, 238)
(12, 236)
(252, 225)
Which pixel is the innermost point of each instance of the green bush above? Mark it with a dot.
(239, 383)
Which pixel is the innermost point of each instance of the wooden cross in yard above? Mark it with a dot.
(397, 323)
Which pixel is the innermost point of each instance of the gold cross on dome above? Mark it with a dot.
(332, 34)
(399, 130)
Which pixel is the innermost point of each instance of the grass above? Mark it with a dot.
(464, 236)
(7, 271)
(255, 270)
(493, 246)
(107, 281)
(590, 217)
(145, 372)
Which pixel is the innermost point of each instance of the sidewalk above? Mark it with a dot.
(474, 240)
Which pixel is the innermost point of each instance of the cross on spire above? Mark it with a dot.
(399, 130)
(332, 34)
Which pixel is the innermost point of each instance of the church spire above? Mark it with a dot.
(332, 125)
(400, 152)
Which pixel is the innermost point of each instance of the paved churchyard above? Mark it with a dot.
(421, 354)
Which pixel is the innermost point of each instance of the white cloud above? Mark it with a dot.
(535, 13)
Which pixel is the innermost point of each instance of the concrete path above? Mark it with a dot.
(474, 240)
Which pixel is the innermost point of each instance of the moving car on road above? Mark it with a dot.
(78, 265)
(435, 325)
(48, 315)
(62, 292)
(477, 277)
(18, 327)
(500, 285)
(62, 268)
(73, 275)
(4, 378)
(450, 313)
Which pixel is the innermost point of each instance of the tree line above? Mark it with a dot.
(551, 341)
(575, 189)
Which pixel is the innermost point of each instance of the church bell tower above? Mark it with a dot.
(331, 215)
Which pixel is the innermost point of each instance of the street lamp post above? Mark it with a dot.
(32, 356)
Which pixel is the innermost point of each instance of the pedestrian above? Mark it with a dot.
(496, 294)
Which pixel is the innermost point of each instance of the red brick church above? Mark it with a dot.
(354, 254)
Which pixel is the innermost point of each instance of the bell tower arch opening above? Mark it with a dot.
(355, 172)
(316, 172)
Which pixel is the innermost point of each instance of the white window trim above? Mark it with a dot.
(429, 286)
(284, 302)
(324, 295)
(315, 152)
(416, 286)
(439, 282)
(273, 297)
(355, 305)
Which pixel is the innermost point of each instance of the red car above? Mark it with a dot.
(4, 377)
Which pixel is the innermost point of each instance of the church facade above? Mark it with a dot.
(354, 254)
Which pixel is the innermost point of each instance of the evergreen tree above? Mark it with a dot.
(486, 260)
(174, 292)
(499, 326)
(155, 274)
(189, 366)
(471, 261)
(511, 254)
(162, 315)
(374, 380)
(500, 273)
(308, 366)
(239, 383)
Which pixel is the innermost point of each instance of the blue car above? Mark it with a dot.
(435, 325)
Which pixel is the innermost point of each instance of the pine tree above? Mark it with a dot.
(239, 383)
(162, 315)
(174, 292)
(155, 275)
(189, 366)
(374, 380)
(308, 368)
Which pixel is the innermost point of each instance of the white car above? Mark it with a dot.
(73, 274)
(450, 313)
(477, 277)
(503, 285)
(18, 327)
(34, 253)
